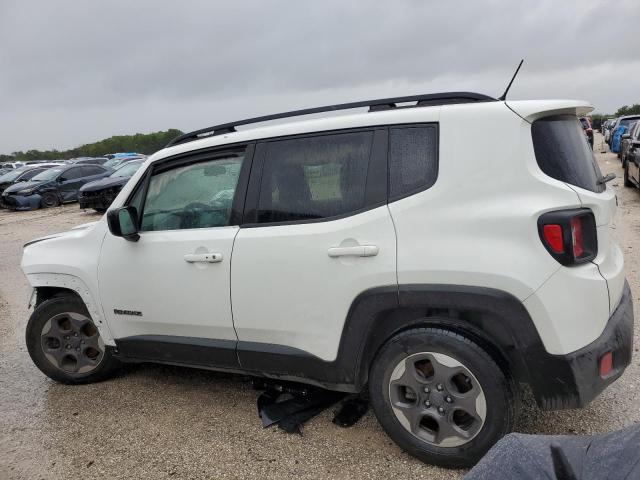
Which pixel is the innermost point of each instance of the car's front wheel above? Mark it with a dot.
(65, 344)
(441, 397)
(49, 200)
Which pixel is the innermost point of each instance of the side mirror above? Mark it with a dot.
(123, 222)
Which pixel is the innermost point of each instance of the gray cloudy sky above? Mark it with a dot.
(73, 72)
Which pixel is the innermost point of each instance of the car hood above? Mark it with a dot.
(68, 233)
(16, 187)
(107, 182)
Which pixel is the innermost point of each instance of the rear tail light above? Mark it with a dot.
(570, 236)
(577, 238)
(606, 364)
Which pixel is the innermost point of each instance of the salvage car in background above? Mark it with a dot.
(21, 174)
(608, 126)
(632, 161)
(588, 130)
(89, 160)
(620, 128)
(632, 135)
(52, 187)
(100, 193)
(117, 161)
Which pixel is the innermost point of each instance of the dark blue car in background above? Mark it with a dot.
(620, 129)
(52, 187)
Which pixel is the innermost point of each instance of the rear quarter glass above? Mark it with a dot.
(562, 152)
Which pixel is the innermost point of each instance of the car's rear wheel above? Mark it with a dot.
(627, 181)
(49, 200)
(65, 344)
(441, 397)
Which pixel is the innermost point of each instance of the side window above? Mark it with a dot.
(88, 170)
(413, 159)
(71, 174)
(198, 195)
(314, 177)
(30, 174)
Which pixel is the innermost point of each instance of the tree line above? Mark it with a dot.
(598, 118)
(146, 143)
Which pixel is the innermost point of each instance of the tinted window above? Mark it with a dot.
(563, 153)
(413, 159)
(314, 177)
(88, 170)
(199, 195)
(71, 174)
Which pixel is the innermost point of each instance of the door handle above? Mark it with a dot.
(203, 257)
(358, 251)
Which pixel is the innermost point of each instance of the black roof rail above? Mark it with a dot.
(429, 99)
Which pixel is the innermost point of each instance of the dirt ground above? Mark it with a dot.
(167, 422)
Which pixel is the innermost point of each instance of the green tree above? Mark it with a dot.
(628, 110)
(146, 143)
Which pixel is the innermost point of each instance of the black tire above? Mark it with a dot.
(627, 182)
(49, 200)
(500, 393)
(100, 365)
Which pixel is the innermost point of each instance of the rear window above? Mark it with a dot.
(563, 153)
(413, 159)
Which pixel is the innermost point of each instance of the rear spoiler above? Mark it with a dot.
(531, 110)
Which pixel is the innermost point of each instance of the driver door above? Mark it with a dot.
(167, 295)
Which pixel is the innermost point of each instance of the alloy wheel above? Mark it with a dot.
(71, 342)
(437, 399)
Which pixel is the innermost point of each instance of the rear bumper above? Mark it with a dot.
(573, 380)
(20, 202)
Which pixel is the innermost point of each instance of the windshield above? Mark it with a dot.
(12, 175)
(127, 170)
(626, 121)
(112, 163)
(47, 175)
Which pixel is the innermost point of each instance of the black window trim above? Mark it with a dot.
(375, 187)
(199, 156)
(409, 193)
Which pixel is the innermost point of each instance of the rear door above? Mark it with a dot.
(317, 233)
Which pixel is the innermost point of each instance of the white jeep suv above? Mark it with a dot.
(437, 250)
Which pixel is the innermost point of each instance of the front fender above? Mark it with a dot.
(70, 282)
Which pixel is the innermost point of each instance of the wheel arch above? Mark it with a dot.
(495, 319)
(50, 285)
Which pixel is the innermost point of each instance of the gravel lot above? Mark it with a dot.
(168, 422)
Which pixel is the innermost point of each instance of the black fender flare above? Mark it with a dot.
(496, 319)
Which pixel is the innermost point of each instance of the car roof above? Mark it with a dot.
(527, 109)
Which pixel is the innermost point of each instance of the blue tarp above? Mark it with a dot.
(616, 143)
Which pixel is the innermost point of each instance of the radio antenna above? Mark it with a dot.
(504, 95)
